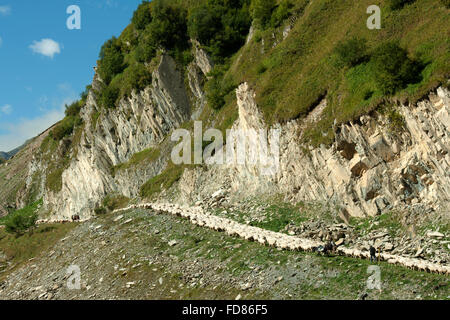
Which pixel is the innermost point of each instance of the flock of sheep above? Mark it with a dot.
(275, 239)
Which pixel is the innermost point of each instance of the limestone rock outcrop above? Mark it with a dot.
(139, 122)
(367, 170)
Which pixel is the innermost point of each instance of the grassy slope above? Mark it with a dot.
(19, 250)
(145, 156)
(302, 69)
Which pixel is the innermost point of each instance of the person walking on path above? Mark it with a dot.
(373, 257)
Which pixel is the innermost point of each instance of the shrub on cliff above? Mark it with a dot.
(64, 128)
(398, 4)
(168, 28)
(351, 52)
(218, 87)
(165, 29)
(70, 121)
(111, 60)
(142, 16)
(23, 220)
(261, 11)
(85, 93)
(203, 24)
(135, 77)
(221, 26)
(109, 96)
(281, 13)
(73, 110)
(145, 51)
(393, 68)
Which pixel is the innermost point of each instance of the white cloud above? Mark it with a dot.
(6, 109)
(52, 110)
(46, 47)
(105, 4)
(16, 134)
(111, 3)
(66, 87)
(5, 10)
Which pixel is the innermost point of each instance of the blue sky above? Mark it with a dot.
(44, 65)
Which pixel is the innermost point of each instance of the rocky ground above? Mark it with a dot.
(139, 254)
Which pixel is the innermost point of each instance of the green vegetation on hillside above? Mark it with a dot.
(331, 53)
(220, 26)
(72, 118)
(61, 144)
(57, 155)
(351, 52)
(394, 70)
(270, 13)
(144, 157)
(123, 64)
(398, 4)
(261, 11)
(111, 60)
(22, 220)
(163, 181)
(219, 86)
(19, 250)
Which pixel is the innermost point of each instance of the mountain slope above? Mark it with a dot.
(7, 155)
(17, 188)
(364, 155)
(344, 140)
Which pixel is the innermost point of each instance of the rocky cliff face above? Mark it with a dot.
(367, 170)
(17, 173)
(139, 122)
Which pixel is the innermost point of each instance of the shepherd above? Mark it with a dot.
(373, 257)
